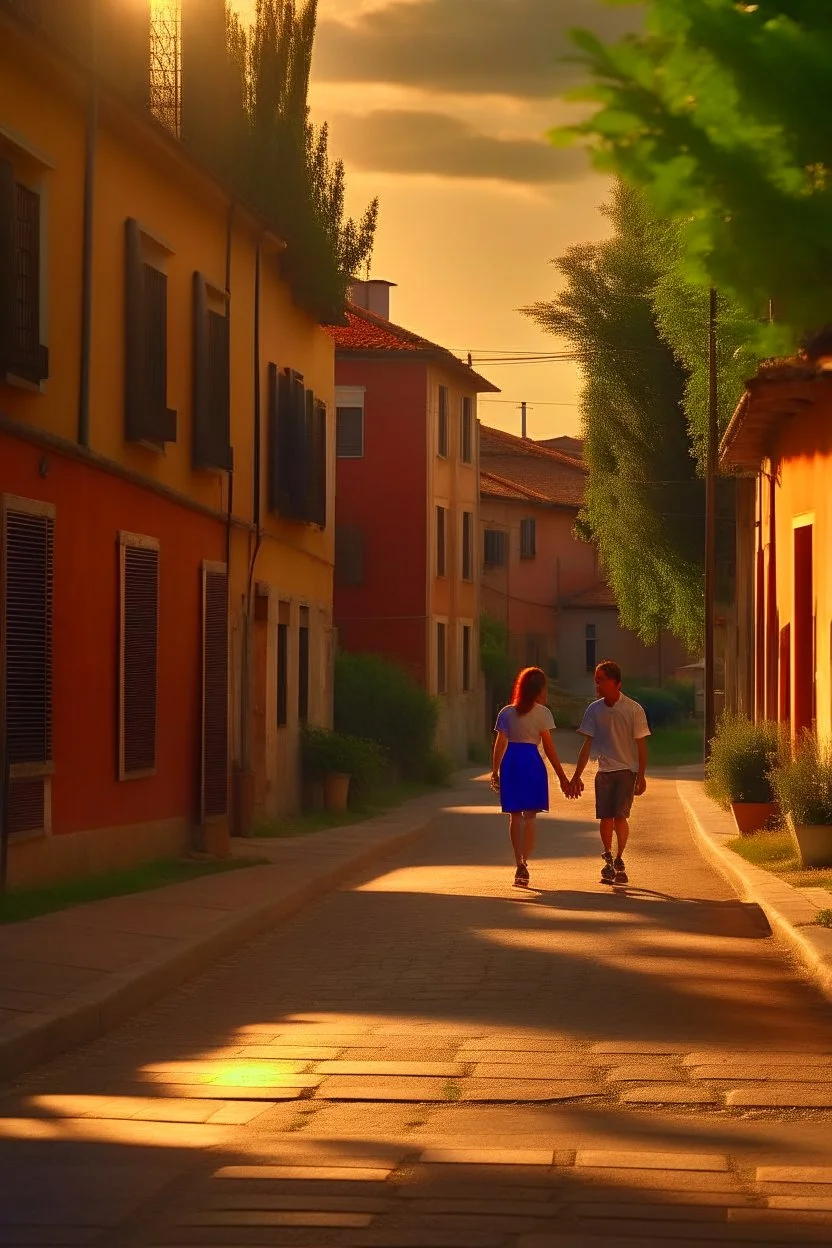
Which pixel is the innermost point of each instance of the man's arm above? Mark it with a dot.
(641, 783)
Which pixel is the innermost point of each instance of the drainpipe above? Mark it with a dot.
(91, 140)
(230, 498)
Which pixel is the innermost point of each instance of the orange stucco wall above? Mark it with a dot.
(802, 461)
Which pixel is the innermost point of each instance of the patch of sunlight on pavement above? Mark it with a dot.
(430, 879)
(114, 1131)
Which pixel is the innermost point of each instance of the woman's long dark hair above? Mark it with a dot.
(528, 685)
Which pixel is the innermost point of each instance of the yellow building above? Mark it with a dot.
(166, 471)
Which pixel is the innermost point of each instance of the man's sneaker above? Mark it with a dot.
(621, 876)
(608, 870)
(521, 875)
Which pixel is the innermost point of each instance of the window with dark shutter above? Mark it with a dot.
(467, 545)
(314, 509)
(466, 432)
(349, 555)
(27, 531)
(527, 539)
(139, 642)
(442, 430)
(214, 770)
(212, 382)
(495, 548)
(441, 540)
(283, 664)
(147, 416)
(349, 432)
(303, 666)
(441, 658)
(590, 647)
(21, 352)
(466, 658)
(297, 459)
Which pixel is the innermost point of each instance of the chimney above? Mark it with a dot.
(373, 296)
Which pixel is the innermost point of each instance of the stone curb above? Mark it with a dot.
(84, 1015)
(791, 915)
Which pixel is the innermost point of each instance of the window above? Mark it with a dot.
(495, 548)
(138, 655)
(212, 379)
(441, 658)
(214, 762)
(467, 545)
(21, 352)
(590, 647)
(442, 428)
(303, 666)
(283, 664)
(297, 449)
(466, 432)
(349, 555)
(527, 539)
(349, 436)
(26, 543)
(441, 540)
(466, 658)
(147, 416)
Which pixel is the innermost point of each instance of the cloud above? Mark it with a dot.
(495, 47)
(405, 141)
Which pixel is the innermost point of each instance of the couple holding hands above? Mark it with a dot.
(615, 730)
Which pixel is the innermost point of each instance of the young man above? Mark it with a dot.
(616, 733)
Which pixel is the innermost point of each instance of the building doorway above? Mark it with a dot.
(803, 632)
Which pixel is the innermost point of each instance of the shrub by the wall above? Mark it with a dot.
(378, 700)
(741, 760)
(662, 707)
(323, 752)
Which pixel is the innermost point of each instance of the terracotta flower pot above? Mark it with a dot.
(336, 790)
(751, 817)
(813, 841)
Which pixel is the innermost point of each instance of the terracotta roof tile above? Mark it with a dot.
(492, 486)
(598, 595)
(365, 332)
(550, 475)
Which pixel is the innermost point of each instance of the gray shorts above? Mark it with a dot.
(614, 794)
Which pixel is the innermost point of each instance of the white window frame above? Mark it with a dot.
(350, 397)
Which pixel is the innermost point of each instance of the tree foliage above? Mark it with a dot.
(281, 162)
(716, 110)
(645, 502)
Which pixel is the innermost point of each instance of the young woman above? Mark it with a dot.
(519, 773)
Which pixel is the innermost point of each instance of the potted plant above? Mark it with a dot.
(803, 783)
(739, 769)
(344, 765)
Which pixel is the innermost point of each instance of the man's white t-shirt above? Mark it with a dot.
(614, 731)
(525, 729)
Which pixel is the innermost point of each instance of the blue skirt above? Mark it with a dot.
(524, 784)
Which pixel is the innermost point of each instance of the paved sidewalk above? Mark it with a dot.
(429, 1058)
(67, 977)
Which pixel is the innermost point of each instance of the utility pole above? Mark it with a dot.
(523, 419)
(710, 528)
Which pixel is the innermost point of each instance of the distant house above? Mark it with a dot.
(779, 443)
(407, 510)
(569, 446)
(540, 580)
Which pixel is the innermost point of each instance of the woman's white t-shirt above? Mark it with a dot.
(525, 729)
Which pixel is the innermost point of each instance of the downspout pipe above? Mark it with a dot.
(87, 246)
(248, 623)
(230, 493)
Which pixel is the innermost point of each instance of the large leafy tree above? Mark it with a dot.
(645, 502)
(716, 110)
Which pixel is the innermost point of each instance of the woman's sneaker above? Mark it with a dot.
(621, 876)
(608, 870)
(521, 875)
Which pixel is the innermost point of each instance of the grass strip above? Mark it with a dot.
(322, 820)
(27, 903)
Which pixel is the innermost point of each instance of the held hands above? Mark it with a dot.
(571, 788)
(640, 786)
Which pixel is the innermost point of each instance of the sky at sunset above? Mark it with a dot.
(440, 107)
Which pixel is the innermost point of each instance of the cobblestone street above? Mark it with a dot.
(429, 1057)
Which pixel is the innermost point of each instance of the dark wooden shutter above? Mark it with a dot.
(147, 416)
(27, 805)
(214, 777)
(283, 665)
(440, 541)
(139, 658)
(303, 666)
(322, 465)
(349, 432)
(28, 628)
(467, 545)
(211, 381)
(8, 300)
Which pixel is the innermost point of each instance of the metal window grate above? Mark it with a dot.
(214, 787)
(495, 548)
(139, 658)
(28, 627)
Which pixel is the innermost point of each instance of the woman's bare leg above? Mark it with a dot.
(529, 833)
(515, 827)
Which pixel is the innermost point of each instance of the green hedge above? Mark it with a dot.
(378, 700)
(741, 760)
(322, 752)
